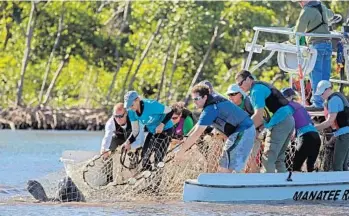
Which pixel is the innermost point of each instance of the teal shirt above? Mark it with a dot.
(152, 116)
(258, 94)
(308, 128)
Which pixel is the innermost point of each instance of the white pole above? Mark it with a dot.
(249, 57)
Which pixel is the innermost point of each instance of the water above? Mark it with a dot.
(35, 155)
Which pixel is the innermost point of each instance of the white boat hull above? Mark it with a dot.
(331, 186)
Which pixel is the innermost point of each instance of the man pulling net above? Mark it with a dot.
(117, 129)
(230, 120)
(157, 119)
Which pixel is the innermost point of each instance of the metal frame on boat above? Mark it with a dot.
(297, 49)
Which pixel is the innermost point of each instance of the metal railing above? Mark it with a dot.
(297, 35)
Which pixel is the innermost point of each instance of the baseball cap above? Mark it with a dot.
(322, 86)
(129, 98)
(208, 83)
(234, 88)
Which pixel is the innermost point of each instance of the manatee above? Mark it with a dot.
(66, 192)
(36, 189)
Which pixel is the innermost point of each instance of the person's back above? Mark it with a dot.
(227, 112)
(151, 116)
(308, 142)
(281, 124)
(314, 19)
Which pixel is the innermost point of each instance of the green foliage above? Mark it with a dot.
(98, 40)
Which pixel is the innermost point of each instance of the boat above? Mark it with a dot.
(298, 61)
(226, 187)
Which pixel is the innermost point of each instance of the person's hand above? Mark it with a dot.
(106, 154)
(160, 128)
(127, 146)
(180, 156)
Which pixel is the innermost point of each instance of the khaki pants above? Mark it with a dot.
(277, 140)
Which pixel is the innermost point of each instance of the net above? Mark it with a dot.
(154, 175)
(123, 176)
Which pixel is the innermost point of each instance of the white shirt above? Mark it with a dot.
(109, 132)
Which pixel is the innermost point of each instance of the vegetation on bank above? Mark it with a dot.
(88, 54)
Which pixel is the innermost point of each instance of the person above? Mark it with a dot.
(314, 19)
(238, 97)
(227, 118)
(309, 141)
(117, 129)
(337, 116)
(281, 125)
(157, 119)
(210, 87)
(182, 119)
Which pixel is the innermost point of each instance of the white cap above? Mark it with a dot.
(322, 86)
(234, 89)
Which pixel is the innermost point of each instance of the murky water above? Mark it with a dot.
(35, 155)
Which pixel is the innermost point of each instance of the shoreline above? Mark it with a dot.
(48, 118)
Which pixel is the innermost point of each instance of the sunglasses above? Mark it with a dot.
(242, 81)
(175, 117)
(120, 116)
(233, 94)
(197, 98)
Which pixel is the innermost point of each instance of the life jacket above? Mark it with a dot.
(120, 132)
(275, 100)
(223, 122)
(319, 8)
(342, 119)
(248, 106)
(300, 115)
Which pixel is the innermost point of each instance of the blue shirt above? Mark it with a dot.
(228, 112)
(336, 105)
(152, 115)
(258, 94)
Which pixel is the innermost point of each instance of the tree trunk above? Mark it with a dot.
(203, 62)
(128, 73)
(29, 35)
(145, 52)
(53, 82)
(174, 66)
(55, 45)
(117, 56)
(164, 65)
(230, 72)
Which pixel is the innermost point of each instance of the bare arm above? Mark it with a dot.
(329, 121)
(190, 141)
(134, 134)
(108, 134)
(257, 117)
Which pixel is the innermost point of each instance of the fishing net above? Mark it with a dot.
(128, 176)
(131, 175)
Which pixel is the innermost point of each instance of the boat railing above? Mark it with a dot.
(298, 51)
